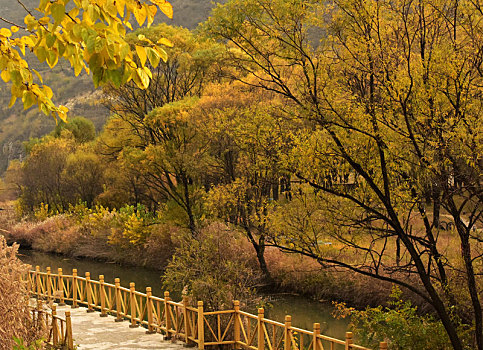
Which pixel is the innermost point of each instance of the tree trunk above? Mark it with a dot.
(260, 250)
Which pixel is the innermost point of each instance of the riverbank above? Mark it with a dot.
(295, 274)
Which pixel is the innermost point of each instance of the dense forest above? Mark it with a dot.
(328, 149)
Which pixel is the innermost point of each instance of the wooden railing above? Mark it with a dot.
(192, 325)
(58, 329)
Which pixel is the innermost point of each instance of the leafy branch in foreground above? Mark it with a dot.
(90, 35)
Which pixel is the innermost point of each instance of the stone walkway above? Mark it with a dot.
(91, 331)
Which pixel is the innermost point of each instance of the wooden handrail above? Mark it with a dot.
(59, 329)
(193, 325)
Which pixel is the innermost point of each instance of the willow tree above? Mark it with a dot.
(89, 34)
(391, 93)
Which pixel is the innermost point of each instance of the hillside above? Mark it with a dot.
(17, 125)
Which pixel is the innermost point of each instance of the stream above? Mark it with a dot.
(304, 311)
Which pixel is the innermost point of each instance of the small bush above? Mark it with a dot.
(399, 324)
(216, 267)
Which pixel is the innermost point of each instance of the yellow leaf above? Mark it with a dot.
(120, 7)
(38, 76)
(162, 54)
(165, 8)
(44, 20)
(140, 14)
(141, 51)
(5, 76)
(5, 32)
(151, 12)
(165, 42)
(12, 101)
(153, 56)
(48, 92)
(143, 78)
(52, 58)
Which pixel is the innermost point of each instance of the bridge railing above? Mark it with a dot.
(58, 329)
(193, 325)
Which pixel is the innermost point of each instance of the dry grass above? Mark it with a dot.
(61, 234)
(304, 275)
(15, 320)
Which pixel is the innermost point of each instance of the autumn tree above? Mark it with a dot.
(246, 133)
(174, 167)
(191, 62)
(150, 120)
(392, 94)
(83, 176)
(41, 180)
(81, 128)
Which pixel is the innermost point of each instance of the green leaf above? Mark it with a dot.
(50, 40)
(99, 44)
(97, 77)
(52, 58)
(77, 30)
(115, 76)
(28, 99)
(162, 54)
(41, 53)
(15, 77)
(58, 12)
(91, 43)
(153, 56)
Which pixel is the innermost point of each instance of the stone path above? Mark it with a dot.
(91, 331)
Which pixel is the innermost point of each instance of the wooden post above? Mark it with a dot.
(261, 335)
(60, 287)
(236, 324)
(149, 308)
(102, 295)
(55, 329)
(117, 283)
(89, 292)
(74, 289)
(185, 319)
(40, 318)
(315, 341)
(383, 345)
(68, 324)
(132, 302)
(37, 280)
(287, 342)
(201, 327)
(348, 340)
(167, 314)
(49, 284)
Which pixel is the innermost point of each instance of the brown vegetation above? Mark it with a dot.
(15, 320)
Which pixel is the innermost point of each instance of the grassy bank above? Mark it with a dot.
(103, 236)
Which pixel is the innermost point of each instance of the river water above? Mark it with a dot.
(304, 312)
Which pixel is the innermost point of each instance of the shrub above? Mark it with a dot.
(399, 324)
(217, 267)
